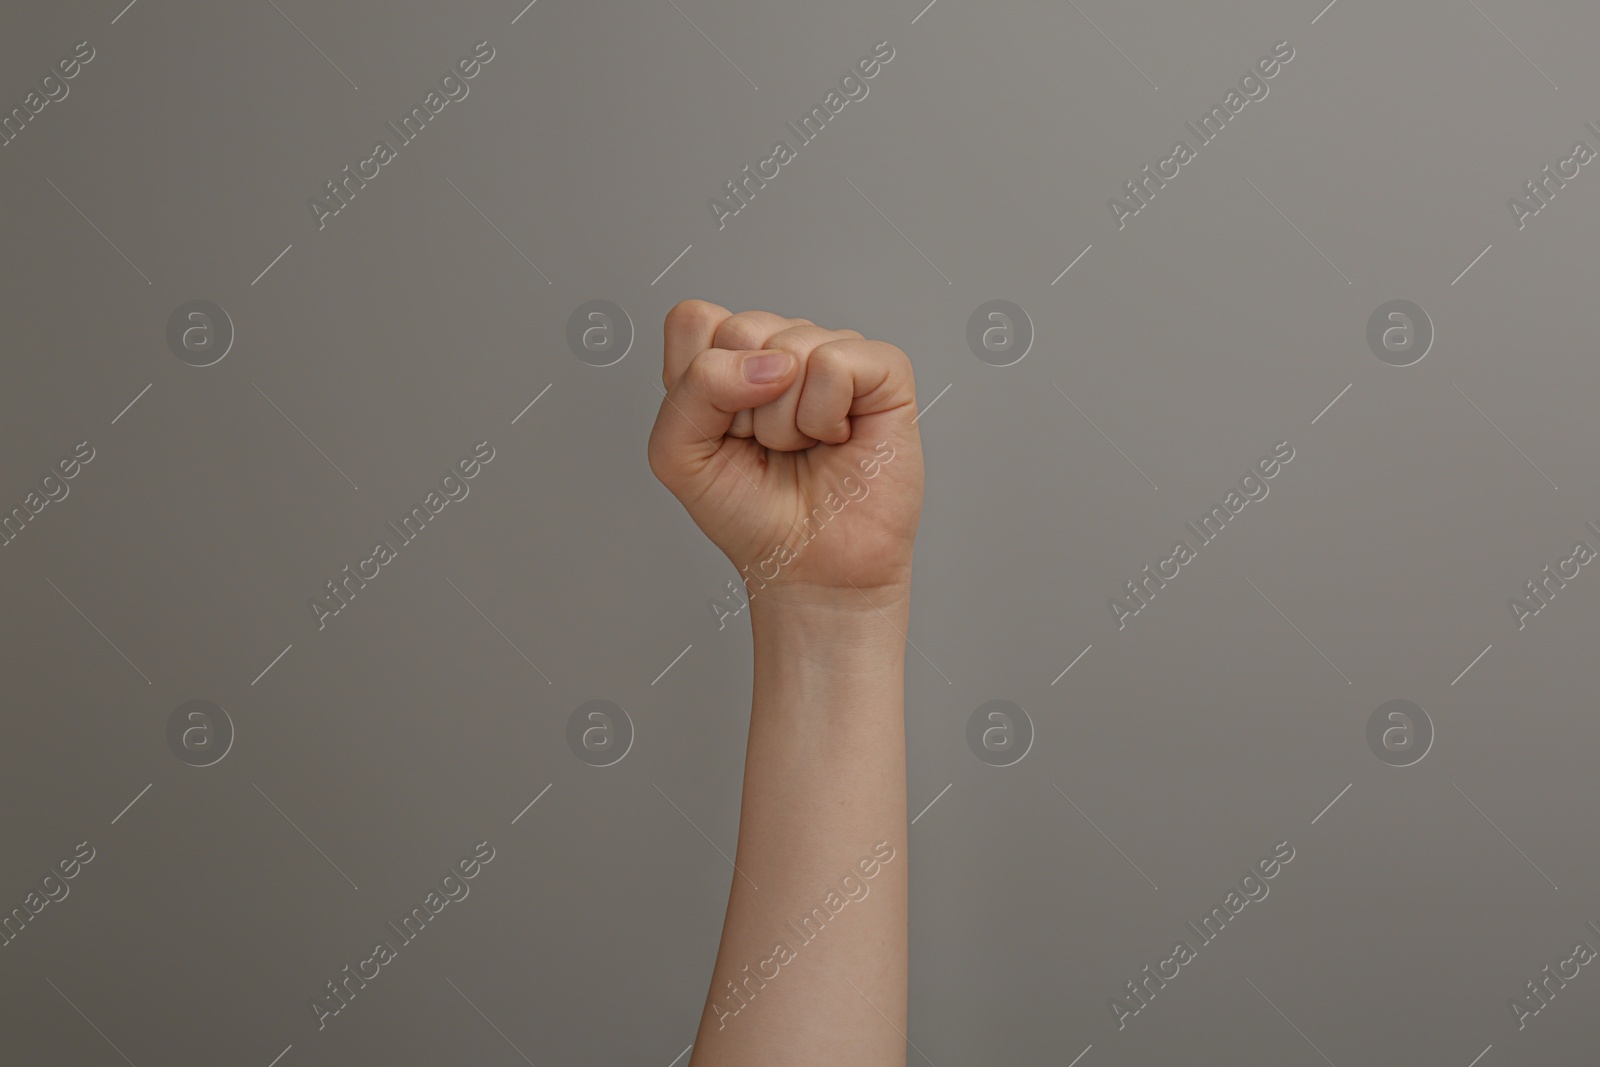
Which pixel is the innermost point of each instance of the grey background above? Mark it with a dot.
(1222, 320)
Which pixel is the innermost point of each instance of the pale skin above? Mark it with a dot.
(824, 781)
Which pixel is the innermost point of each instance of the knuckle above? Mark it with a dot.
(817, 425)
(743, 318)
(702, 374)
(836, 353)
(897, 359)
(693, 313)
(826, 358)
(748, 329)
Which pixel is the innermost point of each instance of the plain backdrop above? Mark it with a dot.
(422, 319)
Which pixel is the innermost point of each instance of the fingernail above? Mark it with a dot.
(765, 367)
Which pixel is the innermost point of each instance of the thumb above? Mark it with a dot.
(699, 409)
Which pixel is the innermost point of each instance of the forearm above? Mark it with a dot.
(814, 942)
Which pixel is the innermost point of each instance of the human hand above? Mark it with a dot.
(809, 478)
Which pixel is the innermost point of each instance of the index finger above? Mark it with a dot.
(687, 331)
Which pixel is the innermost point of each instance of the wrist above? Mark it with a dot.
(839, 627)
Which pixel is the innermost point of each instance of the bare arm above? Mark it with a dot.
(810, 958)
(812, 485)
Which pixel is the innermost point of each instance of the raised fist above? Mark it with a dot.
(793, 448)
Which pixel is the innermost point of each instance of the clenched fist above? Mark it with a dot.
(793, 448)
